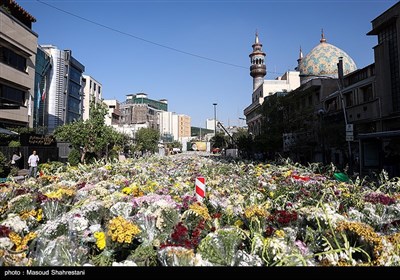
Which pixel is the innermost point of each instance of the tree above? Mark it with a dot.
(219, 140)
(147, 139)
(91, 136)
(273, 125)
(244, 142)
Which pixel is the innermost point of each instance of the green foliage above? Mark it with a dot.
(14, 144)
(3, 163)
(144, 255)
(221, 247)
(91, 136)
(219, 141)
(175, 144)
(244, 142)
(13, 171)
(52, 167)
(74, 157)
(113, 154)
(147, 139)
(273, 125)
(105, 258)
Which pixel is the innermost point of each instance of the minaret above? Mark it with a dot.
(299, 60)
(323, 40)
(258, 70)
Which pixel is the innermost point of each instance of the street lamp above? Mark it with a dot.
(215, 119)
(243, 119)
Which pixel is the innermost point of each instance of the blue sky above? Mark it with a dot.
(196, 53)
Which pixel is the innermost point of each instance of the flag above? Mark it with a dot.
(44, 90)
(30, 105)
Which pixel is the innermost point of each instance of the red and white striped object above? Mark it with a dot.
(200, 188)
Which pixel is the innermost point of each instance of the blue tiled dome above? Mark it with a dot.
(323, 59)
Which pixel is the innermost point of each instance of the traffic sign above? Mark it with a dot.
(349, 127)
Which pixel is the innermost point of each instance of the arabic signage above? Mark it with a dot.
(37, 140)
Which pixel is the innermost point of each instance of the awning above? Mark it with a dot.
(7, 132)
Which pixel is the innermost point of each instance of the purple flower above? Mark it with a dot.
(302, 246)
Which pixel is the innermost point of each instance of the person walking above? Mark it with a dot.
(33, 164)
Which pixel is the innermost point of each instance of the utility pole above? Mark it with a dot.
(341, 85)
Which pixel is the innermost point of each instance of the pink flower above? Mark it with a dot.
(302, 246)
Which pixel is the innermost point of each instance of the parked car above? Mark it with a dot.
(216, 150)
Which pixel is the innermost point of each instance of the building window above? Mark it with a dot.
(366, 93)
(74, 89)
(75, 75)
(10, 96)
(12, 59)
(349, 99)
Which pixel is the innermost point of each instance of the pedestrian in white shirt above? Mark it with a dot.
(33, 164)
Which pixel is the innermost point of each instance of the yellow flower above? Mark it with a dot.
(279, 233)
(200, 210)
(56, 195)
(26, 214)
(271, 194)
(122, 230)
(100, 239)
(238, 223)
(255, 210)
(287, 173)
(39, 216)
(21, 243)
(127, 190)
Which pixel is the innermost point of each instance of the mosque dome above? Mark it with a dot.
(322, 61)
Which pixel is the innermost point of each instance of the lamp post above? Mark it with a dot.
(215, 119)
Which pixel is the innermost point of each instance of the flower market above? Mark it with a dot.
(145, 212)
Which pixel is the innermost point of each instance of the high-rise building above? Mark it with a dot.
(18, 46)
(63, 103)
(42, 74)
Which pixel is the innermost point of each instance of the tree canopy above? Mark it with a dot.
(92, 135)
(147, 139)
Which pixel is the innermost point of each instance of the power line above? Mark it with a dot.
(227, 1)
(141, 39)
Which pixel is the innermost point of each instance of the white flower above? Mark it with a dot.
(123, 209)
(78, 224)
(94, 228)
(6, 243)
(14, 222)
(124, 263)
